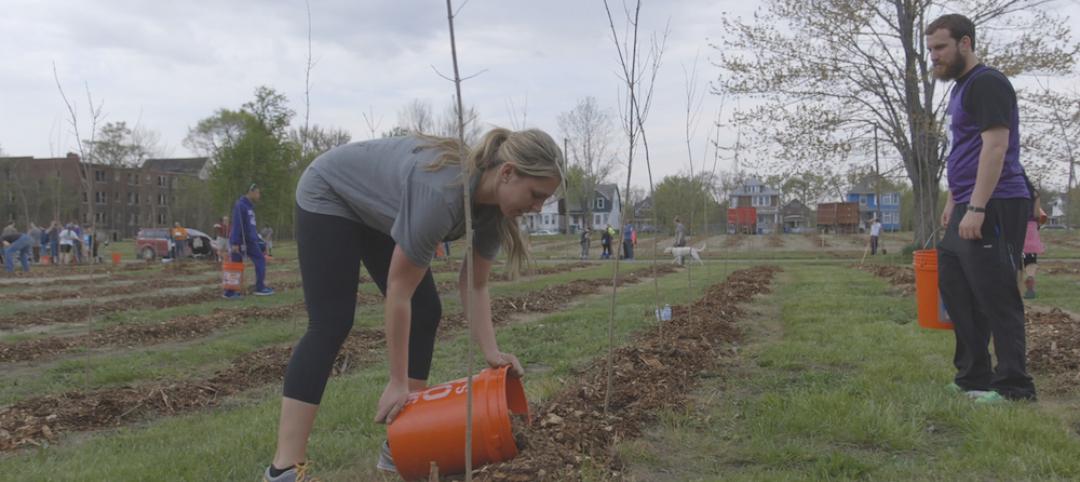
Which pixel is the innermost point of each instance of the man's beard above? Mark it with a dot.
(953, 69)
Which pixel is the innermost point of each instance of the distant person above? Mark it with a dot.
(244, 240)
(268, 237)
(629, 236)
(93, 242)
(585, 232)
(78, 244)
(220, 242)
(875, 233)
(179, 236)
(1033, 246)
(680, 233)
(36, 235)
(54, 241)
(68, 239)
(15, 244)
(605, 242)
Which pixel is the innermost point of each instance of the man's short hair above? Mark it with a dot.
(957, 25)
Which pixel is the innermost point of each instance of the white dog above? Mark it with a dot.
(683, 251)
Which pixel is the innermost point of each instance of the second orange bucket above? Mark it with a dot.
(232, 276)
(431, 427)
(932, 312)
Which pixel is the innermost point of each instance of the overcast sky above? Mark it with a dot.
(166, 65)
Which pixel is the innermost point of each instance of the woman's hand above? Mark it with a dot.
(391, 402)
(500, 359)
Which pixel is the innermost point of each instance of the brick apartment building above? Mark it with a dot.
(124, 198)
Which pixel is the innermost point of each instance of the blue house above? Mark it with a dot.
(889, 207)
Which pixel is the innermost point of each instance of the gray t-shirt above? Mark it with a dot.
(383, 184)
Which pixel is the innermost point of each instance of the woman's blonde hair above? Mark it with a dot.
(532, 152)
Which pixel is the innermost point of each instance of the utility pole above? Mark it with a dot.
(877, 178)
(565, 228)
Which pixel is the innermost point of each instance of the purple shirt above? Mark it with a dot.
(966, 128)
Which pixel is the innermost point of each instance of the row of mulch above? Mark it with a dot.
(186, 327)
(40, 421)
(80, 313)
(654, 372)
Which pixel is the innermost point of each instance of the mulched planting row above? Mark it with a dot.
(1053, 341)
(902, 278)
(776, 241)
(184, 327)
(114, 290)
(653, 373)
(139, 334)
(39, 421)
(82, 312)
(1059, 268)
(733, 240)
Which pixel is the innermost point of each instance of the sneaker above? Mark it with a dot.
(977, 394)
(990, 398)
(386, 460)
(298, 473)
(954, 388)
(232, 295)
(266, 291)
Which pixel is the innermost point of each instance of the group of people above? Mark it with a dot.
(629, 239)
(60, 244)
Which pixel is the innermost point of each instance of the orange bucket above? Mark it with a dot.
(439, 251)
(116, 259)
(932, 312)
(46, 259)
(232, 276)
(431, 427)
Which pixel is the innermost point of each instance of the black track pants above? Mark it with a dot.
(977, 279)
(331, 249)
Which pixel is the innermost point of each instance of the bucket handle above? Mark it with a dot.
(933, 236)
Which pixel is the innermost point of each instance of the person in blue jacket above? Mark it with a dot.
(244, 239)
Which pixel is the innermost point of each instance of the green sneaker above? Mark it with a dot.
(990, 398)
(954, 388)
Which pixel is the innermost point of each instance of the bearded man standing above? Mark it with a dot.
(984, 218)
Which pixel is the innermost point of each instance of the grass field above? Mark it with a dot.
(832, 379)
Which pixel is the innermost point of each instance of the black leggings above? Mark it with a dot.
(331, 249)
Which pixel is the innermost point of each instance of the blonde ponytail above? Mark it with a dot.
(532, 152)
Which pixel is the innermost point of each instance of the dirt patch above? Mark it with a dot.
(901, 277)
(776, 240)
(733, 240)
(1053, 343)
(818, 241)
(654, 372)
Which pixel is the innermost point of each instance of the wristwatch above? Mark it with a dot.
(976, 209)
